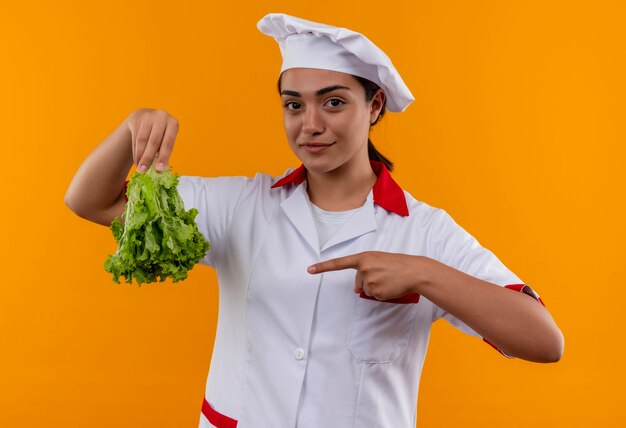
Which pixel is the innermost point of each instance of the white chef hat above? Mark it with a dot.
(309, 44)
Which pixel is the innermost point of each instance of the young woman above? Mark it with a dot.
(330, 275)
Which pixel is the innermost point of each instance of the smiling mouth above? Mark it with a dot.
(316, 147)
(318, 144)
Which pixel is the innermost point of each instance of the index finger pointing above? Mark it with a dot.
(340, 263)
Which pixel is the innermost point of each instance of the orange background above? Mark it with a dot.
(517, 131)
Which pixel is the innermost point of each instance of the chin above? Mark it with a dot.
(320, 166)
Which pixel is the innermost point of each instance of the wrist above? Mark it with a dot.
(425, 273)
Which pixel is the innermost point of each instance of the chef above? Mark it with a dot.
(330, 275)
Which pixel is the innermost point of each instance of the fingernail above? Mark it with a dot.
(312, 269)
(160, 166)
(141, 168)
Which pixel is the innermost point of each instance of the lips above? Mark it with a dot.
(315, 147)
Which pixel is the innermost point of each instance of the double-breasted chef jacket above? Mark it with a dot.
(299, 350)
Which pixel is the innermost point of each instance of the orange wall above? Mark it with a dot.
(517, 131)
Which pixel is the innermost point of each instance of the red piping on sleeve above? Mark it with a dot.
(526, 289)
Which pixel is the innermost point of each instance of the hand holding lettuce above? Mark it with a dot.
(158, 238)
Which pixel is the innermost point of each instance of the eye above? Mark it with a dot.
(294, 104)
(336, 102)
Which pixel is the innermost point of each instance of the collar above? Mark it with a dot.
(387, 193)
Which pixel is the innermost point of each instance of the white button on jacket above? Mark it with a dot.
(299, 354)
(295, 349)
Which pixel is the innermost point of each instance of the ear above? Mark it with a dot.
(377, 102)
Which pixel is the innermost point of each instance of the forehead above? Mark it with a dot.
(311, 79)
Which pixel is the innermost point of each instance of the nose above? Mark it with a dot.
(313, 122)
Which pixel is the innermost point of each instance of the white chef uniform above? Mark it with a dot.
(299, 350)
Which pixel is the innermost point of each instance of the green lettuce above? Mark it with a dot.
(158, 238)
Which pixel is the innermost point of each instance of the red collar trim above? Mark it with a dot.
(387, 193)
(296, 176)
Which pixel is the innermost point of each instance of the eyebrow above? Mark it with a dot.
(317, 94)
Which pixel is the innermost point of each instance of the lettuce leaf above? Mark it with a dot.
(158, 238)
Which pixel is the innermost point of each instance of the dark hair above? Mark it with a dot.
(370, 89)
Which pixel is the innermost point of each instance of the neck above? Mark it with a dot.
(343, 188)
